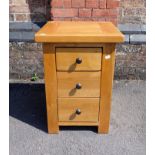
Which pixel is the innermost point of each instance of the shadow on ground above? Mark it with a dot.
(27, 104)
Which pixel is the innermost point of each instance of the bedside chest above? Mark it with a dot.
(79, 60)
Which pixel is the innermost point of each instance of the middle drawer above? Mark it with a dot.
(78, 84)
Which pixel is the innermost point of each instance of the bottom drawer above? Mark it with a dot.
(78, 109)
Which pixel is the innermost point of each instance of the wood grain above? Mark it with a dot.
(79, 45)
(108, 62)
(64, 42)
(85, 123)
(66, 59)
(89, 109)
(90, 82)
(51, 88)
(79, 32)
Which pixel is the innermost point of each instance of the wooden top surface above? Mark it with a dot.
(79, 32)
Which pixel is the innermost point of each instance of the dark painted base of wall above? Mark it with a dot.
(27, 59)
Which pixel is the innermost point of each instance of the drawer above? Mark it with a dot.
(78, 109)
(78, 59)
(79, 84)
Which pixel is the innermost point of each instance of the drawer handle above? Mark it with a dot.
(78, 111)
(78, 86)
(78, 60)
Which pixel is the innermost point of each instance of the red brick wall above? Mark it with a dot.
(76, 10)
(130, 11)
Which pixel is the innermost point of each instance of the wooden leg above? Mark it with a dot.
(108, 62)
(51, 88)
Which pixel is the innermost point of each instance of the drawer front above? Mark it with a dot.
(78, 59)
(78, 84)
(78, 109)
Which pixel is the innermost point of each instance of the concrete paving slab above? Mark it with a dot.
(28, 131)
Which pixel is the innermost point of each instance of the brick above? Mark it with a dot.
(78, 3)
(10, 2)
(130, 60)
(56, 3)
(99, 12)
(112, 19)
(105, 12)
(92, 3)
(135, 12)
(19, 2)
(67, 3)
(113, 12)
(131, 19)
(81, 19)
(61, 19)
(102, 4)
(136, 50)
(84, 12)
(99, 19)
(11, 17)
(22, 46)
(20, 17)
(19, 9)
(37, 17)
(113, 3)
(64, 12)
(26, 9)
(38, 10)
(132, 3)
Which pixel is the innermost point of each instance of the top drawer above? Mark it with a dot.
(78, 59)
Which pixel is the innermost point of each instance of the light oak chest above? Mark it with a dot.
(79, 60)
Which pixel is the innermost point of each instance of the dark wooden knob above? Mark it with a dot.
(78, 111)
(78, 60)
(78, 86)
